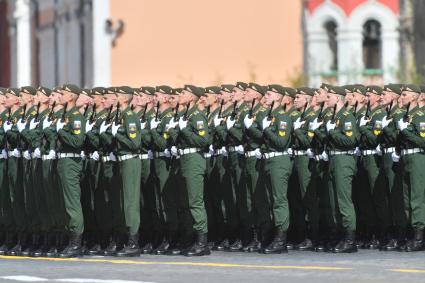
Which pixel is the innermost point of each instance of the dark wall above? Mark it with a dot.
(419, 36)
(4, 46)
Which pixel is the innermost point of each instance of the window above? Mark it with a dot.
(372, 45)
(331, 31)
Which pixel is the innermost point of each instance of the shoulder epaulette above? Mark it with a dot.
(281, 112)
(129, 113)
(76, 112)
(346, 113)
(295, 113)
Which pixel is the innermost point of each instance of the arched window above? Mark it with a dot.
(331, 31)
(372, 45)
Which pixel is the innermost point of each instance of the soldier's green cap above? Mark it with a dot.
(98, 90)
(374, 89)
(111, 90)
(422, 88)
(71, 88)
(14, 91)
(361, 89)
(3, 90)
(198, 91)
(306, 91)
(258, 88)
(147, 90)
(213, 90)
(325, 86)
(337, 90)
(136, 90)
(86, 91)
(44, 90)
(276, 88)
(29, 90)
(349, 88)
(242, 85)
(57, 89)
(411, 87)
(178, 90)
(395, 88)
(289, 91)
(125, 90)
(165, 89)
(227, 87)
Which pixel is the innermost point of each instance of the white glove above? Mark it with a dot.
(290, 151)
(174, 151)
(239, 149)
(59, 125)
(7, 126)
(89, 126)
(315, 124)
(182, 123)
(27, 155)
(167, 153)
(47, 123)
(230, 123)
(150, 154)
(33, 124)
(103, 127)
(16, 152)
(378, 150)
(95, 156)
(395, 157)
(52, 154)
(258, 153)
(357, 151)
(211, 149)
(172, 124)
(330, 126)
(83, 155)
(37, 153)
(298, 123)
(310, 153)
(385, 122)
(112, 156)
(266, 123)
(21, 125)
(4, 153)
(363, 121)
(154, 123)
(223, 151)
(142, 125)
(217, 121)
(402, 125)
(248, 121)
(115, 128)
(324, 156)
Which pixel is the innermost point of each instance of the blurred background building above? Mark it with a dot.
(152, 42)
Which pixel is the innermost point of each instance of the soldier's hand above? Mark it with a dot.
(52, 154)
(115, 128)
(47, 123)
(378, 150)
(230, 123)
(95, 156)
(395, 157)
(142, 125)
(89, 126)
(224, 152)
(330, 126)
(172, 124)
(402, 125)
(217, 121)
(174, 151)
(357, 151)
(7, 126)
(248, 121)
(324, 156)
(315, 124)
(103, 127)
(21, 125)
(363, 121)
(34, 124)
(154, 123)
(258, 153)
(37, 152)
(266, 123)
(239, 149)
(385, 122)
(16, 153)
(310, 153)
(298, 123)
(59, 125)
(112, 156)
(211, 149)
(27, 155)
(182, 123)
(4, 154)
(83, 155)
(150, 154)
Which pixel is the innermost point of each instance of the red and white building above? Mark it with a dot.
(351, 41)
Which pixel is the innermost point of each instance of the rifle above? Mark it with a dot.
(50, 116)
(355, 108)
(251, 110)
(389, 108)
(320, 116)
(221, 108)
(85, 110)
(117, 114)
(38, 112)
(108, 117)
(93, 114)
(176, 112)
(234, 111)
(9, 115)
(367, 114)
(23, 113)
(269, 115)
(208, 111)
(334, 113)
(64, 112)
(185, 112)
(157, 111)
(406, 115)
(303, 113)
(143, 117)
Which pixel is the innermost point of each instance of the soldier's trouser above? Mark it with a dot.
(147, 201)
(378, 193)
(327, 223)
(16, 191)
(69, 173)
(6, 216)
(193, 169)
(393, 181)
(40, 195)
(131, 173)
(32, 212)
(238, 187)
(215, 217)
(54, 195)
(342, 169)
(277, 171)
(306, 172)
(414, 188)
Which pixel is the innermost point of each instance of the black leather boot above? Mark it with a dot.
(306, 245)
(131, 249)
(53, 242)
(417, 243)
(254, 245)
(162, 248)
(278, 244)
(174, 248)
(348, 245)
(373, 244)
(147, 248)
(200, 247)
(31, 245)
(236, 246)
(7, 243)
(223, 245)
(43, 246)
(74, 248)
(17, 249)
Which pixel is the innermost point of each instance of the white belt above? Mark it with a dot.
(106, 159)
(366, 152)
(69, 155)
(10, 154)
(250, 153)
(159, 154)
(300, 152)
(389, 150)
(411, 151)
(337, 152)
(233, 148)
(207, 155)
(189, 150)
(34, 157)
(274, 154)
(144, 156)
(45, 157)
(127, 157)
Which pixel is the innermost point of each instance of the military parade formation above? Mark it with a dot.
(123, 171)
